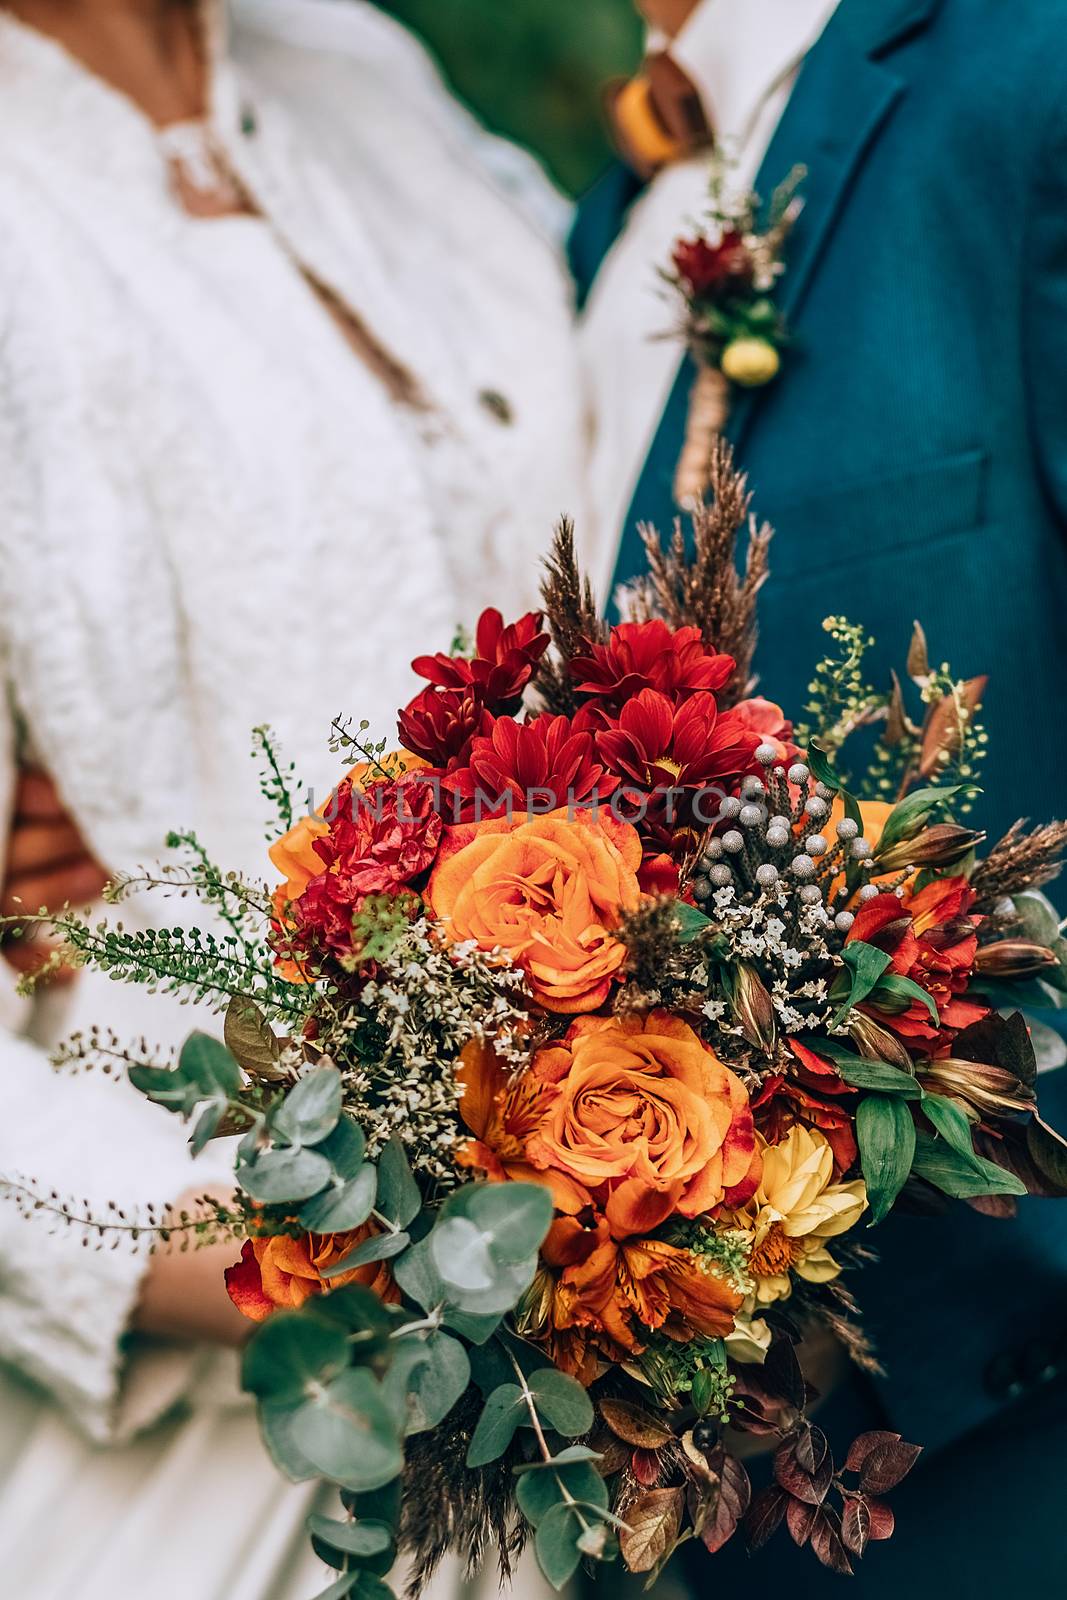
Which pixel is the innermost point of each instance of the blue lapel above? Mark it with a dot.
(842, 99)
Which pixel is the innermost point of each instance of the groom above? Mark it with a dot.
(912, 456)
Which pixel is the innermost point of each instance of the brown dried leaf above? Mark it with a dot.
(918, 655)
(632, 1423)
(251, 1040)
(652, 1524)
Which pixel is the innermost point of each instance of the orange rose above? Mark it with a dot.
(647, 1118)
(284, 1272)
(548, 892)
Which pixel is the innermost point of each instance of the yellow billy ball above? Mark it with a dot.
(750, 362)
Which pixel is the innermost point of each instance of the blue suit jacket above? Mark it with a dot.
(912, 457)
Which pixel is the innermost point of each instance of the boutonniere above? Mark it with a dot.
(726, 275)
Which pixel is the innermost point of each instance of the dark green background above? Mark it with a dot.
(534, 69)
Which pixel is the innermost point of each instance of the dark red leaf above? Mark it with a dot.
(800, 1519)
(765, 1516)
(856, 1524)
(887, 1464)
(644, 1464)
(1048, 1151)
(782, 1375)
(811, 1448)
(882, 1519)
(726, 1498)
(811, 1487)
(826, 1542)
(864, 1443)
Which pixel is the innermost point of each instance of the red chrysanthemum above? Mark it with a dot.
(439, 724)
(932, 940)
(503, 661)
(537, 766)
(380, 840)
(650, 655)
(706, 269)
(666, 754)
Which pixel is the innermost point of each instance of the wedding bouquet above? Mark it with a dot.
(583, 1041)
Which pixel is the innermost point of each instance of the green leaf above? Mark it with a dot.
(312, 1109)
(359, 1310)
(561, 1402)
(382, 1247)
(207, 1125)
(278, 1176)
(344, 1205)
(419, 1279)
(398, 1193)
(910, 815)
(885, 1133)
(344, 1148)
(821, 767)
(864, 964)
(951, 1123)
(895, 993)
(354, 1538)
(291, 1352)
(503, 1412)
(357, 1586)
(276, 1425)
(689, 921)
(513, 1217)
(878, 1076)
(461, 1256)
(349, 1432)
(960, 1176)
(545, 1483)
(556, 1545)
(435, 1382)
(207, 1063)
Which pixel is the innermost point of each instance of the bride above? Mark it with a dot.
(286, 393)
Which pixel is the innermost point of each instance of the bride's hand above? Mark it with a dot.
(184, 1291)
(46, 864)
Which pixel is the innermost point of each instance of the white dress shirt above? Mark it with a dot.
(743, 56)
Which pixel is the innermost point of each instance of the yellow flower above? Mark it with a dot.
(796, 1208)
(750, 362)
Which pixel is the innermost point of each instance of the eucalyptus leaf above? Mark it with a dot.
(556, 1545)
(461, 1255)
(513, 1217)
(345, 1148)
(380, 1247)
(349, 1432)
(546, 1484)
(354, 1538)
(418, 1277)
(561, 1402)
(207, 1126)
(343, 1206)
(885, 1133)
(276, 1426)
(311, 1110)
(290, 1353)
(435, 1382)
(398, 1193)
(207, 1062)
(503, 1412)
(278, 1176)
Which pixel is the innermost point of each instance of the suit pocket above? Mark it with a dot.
(877, 516)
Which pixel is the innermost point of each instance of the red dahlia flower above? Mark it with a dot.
(933, 941)
(541, 765)
(707, 268)
(650, 655)
(439, 724)
(502, 665)
(380, 840)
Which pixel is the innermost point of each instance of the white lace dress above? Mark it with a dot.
(213, 516)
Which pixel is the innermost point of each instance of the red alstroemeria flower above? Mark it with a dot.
(707, 268)
(380, 841)
(440, 724)
(799, 1096)
(502, 665)
(933, 940)
(538, 766)
(650, 655)
(665, 754)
